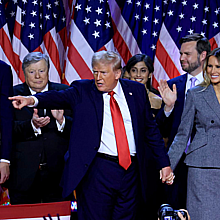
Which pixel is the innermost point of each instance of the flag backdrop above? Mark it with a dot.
(70, 31)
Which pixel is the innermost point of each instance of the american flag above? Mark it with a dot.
(38, 25)
(139, 26)
(91, 30)
(153, 27)
(182, 18)
(5, 40)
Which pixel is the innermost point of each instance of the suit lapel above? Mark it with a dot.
(210, 97)
(26, 91)
(181, 88)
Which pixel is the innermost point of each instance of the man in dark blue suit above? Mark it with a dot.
(193, 51)
(6, 120)
(105, 189)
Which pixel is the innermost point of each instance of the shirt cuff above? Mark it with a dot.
(35, 101)
(167, 114)
(3, 160)
(61, 127)
(37, 131)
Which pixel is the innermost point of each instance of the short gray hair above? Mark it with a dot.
(34, 57)
(108, 57)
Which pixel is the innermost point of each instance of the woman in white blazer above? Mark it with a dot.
(202, 115)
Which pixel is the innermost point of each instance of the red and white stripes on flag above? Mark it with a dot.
(128, 27)
(79, 52)
(39, 26)
(6, 51)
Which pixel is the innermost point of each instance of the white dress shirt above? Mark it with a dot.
(108, 142)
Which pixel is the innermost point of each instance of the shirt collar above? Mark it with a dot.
(117, 89)
(199, 77)
(44, 90)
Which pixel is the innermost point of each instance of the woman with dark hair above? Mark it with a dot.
(140, 67)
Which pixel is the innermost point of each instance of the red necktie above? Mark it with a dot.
(120, 133)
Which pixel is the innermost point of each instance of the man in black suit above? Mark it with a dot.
(6, 120)
(40, 139)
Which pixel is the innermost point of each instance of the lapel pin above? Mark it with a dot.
(130, 93)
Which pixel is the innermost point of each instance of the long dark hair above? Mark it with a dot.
(148, 62)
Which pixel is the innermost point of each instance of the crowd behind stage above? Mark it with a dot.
(115, 144)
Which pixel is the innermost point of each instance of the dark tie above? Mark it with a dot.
(120, 133)
(40, 112)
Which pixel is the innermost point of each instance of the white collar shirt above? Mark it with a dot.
(199, 79)
(108, 142)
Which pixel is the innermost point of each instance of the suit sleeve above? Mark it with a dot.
(184, 131)
(6, 111)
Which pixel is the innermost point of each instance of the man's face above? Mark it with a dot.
(36, 75)
(189, 57)
(105, 78)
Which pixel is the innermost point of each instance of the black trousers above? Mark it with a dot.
(42, 190)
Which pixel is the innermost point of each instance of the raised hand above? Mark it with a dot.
(21, 101)
(39, 122)
(169, 97)
(58, 115)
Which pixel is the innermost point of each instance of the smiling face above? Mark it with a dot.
(36, 75)
(140, 73)
(213, 70)
(105, 77)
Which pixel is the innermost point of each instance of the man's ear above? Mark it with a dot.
(117, 73)
(203, 55)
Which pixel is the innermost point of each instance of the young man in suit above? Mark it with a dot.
(41, 138)
(6, 120)
(193, 51)
(107, 181)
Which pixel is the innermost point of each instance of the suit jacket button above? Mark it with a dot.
(96, 148)
(212, 121)
(86, 165)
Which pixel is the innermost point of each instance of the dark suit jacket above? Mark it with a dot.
(169, 125)
(28, 148)
(87, 104)
(6, 110)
